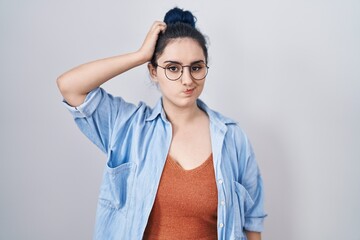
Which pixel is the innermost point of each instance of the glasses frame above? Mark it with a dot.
(182, 71)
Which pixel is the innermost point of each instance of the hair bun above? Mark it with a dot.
(176, 15)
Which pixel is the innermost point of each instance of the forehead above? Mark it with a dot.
(183, 50)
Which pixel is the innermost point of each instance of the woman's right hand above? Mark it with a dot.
(148, 47)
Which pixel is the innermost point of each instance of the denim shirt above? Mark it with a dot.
(136, 140)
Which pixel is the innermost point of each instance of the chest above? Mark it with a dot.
(190, 186)
(188, 193)
(185, 206)
(136, 187)
(191, 146)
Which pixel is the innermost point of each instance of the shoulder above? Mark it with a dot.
(232, 129)
(219, 119)
(215, 115)
(116, 107)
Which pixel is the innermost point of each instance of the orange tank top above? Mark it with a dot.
(185, 206)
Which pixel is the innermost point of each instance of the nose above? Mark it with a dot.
(186, 77)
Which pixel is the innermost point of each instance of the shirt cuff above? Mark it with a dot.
(254, 224)
(89, 105)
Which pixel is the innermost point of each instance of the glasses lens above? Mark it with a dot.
(198, 71)
(173, 71)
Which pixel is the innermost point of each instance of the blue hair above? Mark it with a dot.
(178, 15)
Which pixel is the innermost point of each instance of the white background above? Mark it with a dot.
(287, 71)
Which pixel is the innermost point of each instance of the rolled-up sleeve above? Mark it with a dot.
(253, 183)
(89, 105)
(98, 114)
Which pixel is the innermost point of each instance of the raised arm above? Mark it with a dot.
(76, 83)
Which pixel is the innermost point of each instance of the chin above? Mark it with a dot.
(183, 102)
(188, 101)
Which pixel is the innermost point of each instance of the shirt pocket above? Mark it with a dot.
(117, 187)
(242, 203)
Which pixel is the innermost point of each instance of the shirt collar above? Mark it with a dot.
(156, 111)
(213, 115)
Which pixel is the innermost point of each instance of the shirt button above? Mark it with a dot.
(222, 202)
(220, 181)
(221, 225)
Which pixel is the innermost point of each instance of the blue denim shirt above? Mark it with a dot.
(136, 140)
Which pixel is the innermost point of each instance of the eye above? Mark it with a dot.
(173, 68)
(196, 68)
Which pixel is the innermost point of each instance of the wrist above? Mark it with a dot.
(144, 55)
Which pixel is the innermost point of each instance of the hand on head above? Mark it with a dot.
(148, 47)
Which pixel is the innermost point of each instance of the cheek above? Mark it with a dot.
(163, 86)
(167, 87)
(201, 84)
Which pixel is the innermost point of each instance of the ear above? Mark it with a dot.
(152, 72)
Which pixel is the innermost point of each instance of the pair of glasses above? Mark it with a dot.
(174, 71)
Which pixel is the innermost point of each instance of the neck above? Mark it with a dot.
(181, 115)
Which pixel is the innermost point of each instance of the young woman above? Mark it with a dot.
(176, 171)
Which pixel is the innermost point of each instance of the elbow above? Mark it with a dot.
(62, 85)
(66, 88)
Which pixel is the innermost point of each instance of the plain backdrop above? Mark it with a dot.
(287, 71)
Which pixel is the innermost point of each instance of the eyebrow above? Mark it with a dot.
(194, 62)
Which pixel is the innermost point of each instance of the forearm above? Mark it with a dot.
(76, 83)
(253, 235)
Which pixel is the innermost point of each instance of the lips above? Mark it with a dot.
(189, 91)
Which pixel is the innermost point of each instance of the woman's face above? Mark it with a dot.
(183, 92)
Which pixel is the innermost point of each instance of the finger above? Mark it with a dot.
(163, 28)
(158, 24)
